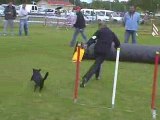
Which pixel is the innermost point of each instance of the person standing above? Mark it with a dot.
(79, 26)
(23, 24)
(131, 23)
(71, 18)
(10, 16)
(103, 39)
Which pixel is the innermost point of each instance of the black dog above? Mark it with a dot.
(37, 78)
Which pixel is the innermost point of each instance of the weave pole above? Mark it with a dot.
(154, 87)
(77, 73)
(115, 78)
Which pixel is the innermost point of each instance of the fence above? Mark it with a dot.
(44, 20)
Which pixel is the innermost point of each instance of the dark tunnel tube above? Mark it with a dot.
(129, 52)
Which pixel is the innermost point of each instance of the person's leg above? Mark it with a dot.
(26, 27)
(98, 61)
(21, 25)
(73, 41)
(5, 27)
(98, 72)
(134, 38)
(83, 35)
(127, 35)
(11, 22)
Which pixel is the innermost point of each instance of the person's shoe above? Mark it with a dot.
(71, 45)
(98, 78)
(82, 85)
(84, 80)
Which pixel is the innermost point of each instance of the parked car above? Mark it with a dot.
(47, 11)
(89, 13)
(4, 5)
(103, 15)
(87, 19)
(2, 11)
(30, 8)
(116, 17)
(17, 9)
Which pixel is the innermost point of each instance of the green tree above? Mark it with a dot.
(85, 5)
(150, 5)
(118, 6)
(100, 5)
(77, 2)
(116, 1)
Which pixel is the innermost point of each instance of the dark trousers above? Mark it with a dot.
(95, 68)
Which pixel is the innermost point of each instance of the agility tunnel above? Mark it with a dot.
(129, 52)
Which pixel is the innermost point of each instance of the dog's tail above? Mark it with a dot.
(46, 75)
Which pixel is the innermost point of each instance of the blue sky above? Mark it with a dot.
(89, 1)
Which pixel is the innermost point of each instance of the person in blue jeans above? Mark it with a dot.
(131, 23)
(23, 24)
(79, 27)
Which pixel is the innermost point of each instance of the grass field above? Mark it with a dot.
(48, 48)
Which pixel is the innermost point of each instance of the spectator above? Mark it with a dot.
(79, 26)
(146, 17)
(103, 39)
(131, 22)
(10, 15)
(23, 24)
(71, 18)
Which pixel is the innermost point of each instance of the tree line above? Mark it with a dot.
(151, 5)
(142, 5)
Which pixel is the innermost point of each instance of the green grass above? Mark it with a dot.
(48, 48)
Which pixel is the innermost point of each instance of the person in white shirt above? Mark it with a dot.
(23, 24)
(71, 18)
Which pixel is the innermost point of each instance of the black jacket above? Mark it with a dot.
(103, 39)
(10, 13)
(80, 22)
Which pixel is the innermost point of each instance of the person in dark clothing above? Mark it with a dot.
(79, 26)
(103, 39)
(10, 15)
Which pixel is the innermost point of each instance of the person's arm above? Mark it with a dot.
(20, 13)
(116, 41)
(5, 11)
(75, 19)
(93, 38)
(124, 19)
(14, 12)
(138, 18)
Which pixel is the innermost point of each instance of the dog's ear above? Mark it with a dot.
(39, 69)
